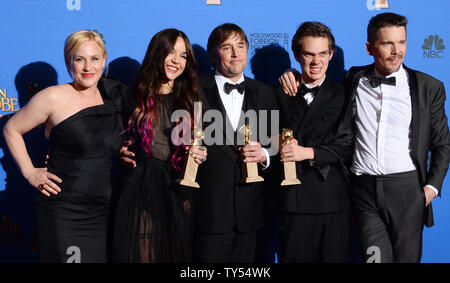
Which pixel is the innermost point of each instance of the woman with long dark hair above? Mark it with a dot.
(152, 217)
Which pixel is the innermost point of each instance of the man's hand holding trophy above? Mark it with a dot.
(249, 169)
(290, 172)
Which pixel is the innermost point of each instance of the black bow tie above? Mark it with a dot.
(304, 90)
(377, 81)
(229, 87)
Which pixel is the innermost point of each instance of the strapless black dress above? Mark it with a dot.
(72, 226)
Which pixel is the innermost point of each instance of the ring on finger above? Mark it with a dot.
(202, 148)
(204, 159)
(41, 186)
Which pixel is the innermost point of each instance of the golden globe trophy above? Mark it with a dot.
(290, 172)
(250, 169)
(190, 170)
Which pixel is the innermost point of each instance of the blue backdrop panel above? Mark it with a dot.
(33, 34)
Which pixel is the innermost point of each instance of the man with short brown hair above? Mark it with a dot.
(315, 215)
(228, 211)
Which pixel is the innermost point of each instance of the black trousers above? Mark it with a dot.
(389, 211)
(231, 247)
(314, 237)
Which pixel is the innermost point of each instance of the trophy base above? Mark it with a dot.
(188, 183)
(252, 179)
(250, 173)
(291, 182)
(290, 174)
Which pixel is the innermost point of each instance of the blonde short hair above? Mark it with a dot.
(74, 41)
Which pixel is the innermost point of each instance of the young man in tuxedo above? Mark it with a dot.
(400, 125)
(315, 215)
(228, 212)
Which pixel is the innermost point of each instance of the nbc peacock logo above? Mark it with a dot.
(433, 47)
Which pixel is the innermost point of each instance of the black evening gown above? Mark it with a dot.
(72, 226)
(153, 219)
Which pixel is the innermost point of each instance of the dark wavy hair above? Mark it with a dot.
(384, 20)
(314, 29)
(150, 77)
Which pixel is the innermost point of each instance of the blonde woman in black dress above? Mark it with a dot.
(82, 123)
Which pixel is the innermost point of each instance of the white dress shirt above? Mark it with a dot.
(383, 120)
(232, 101)
(233, 105)
(309, 97)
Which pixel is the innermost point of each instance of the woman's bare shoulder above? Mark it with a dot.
(54, 93)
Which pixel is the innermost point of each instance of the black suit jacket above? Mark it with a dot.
(430, 133)
(223, 203)
(324, 187)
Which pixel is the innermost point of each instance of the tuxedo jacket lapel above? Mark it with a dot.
(292, 109)
(413, 81)
(414, 92)
(364, 72)
(300, 109)
(318, 105)
(249, 102)
(212, 96)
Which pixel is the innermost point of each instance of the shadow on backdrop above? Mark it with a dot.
(124, 69)
(267, 64)
(201, 56)
(336, 69)
(17, 215)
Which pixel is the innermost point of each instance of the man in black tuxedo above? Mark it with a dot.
(315, 215)
(400, 119)
(228, 212)
(400, 126)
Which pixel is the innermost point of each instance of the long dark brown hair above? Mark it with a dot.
(149, 80)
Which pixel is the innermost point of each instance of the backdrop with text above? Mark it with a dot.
(31, 56)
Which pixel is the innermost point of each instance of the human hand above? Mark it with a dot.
(429, 195)
(253, 152)
(290, 81)
(294, 152)
(198, 152)
(43, 180)
(126, 155)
